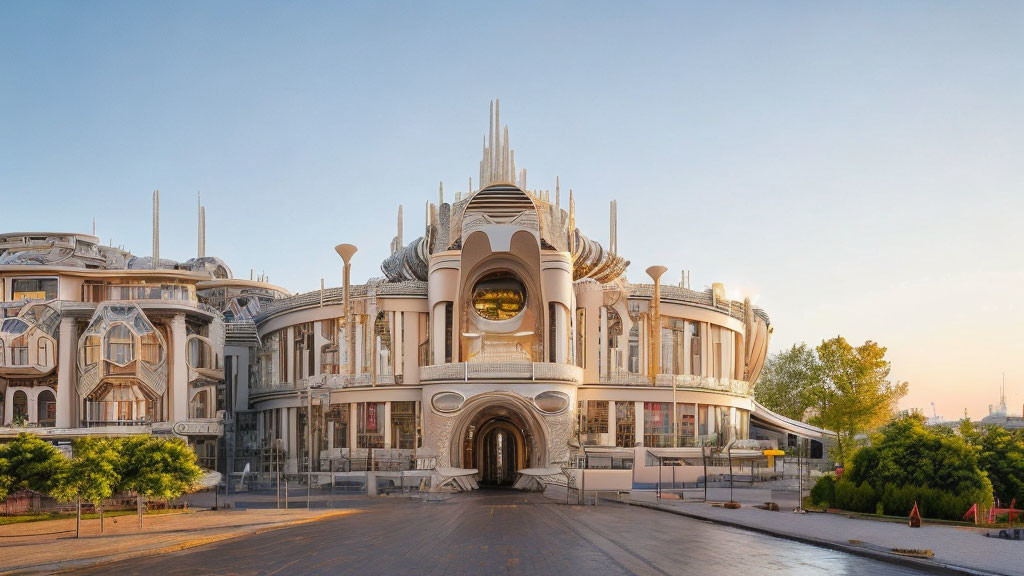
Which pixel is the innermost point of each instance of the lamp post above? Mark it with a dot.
(655, 272)
(346, 251)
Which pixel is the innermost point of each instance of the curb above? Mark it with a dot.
(924, 566)
(71, 565)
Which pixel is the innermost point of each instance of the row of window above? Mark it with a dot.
(46, 407)
(697, 424)
(333, 425)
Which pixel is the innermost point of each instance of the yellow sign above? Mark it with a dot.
(41, 295)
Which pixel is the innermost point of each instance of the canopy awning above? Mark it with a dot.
(765, 418)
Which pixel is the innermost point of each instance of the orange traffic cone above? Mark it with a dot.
(915, 517)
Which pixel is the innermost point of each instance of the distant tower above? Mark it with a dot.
(156, 228)
(201, 227)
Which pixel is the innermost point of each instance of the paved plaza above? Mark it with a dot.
(503, 533)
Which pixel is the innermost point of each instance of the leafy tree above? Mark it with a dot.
(1001, 455)
(157, 467)
(910, 453)
(786, 380)
(31, 464)
(852, 393)
(91, 475)
(6, 480)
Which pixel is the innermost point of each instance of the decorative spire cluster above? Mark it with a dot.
(498, 165)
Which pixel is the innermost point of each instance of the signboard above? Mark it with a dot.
(198, 428)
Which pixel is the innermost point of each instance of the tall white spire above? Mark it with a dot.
(613, 227)
(499, 160)
(400, 226)
(202, 231)
(199, 225)
(156, 228)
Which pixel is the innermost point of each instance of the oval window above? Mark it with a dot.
(499, 296)
(447, 401)
(551, 402)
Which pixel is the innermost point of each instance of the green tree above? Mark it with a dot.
(31, 464)
(6, 480)
(1001, 455)
(910, 453)
(91, 475)
(786, 380)
(852, 394)
(157, 467)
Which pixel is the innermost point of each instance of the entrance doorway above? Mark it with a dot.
(498, 436)
(499, 450)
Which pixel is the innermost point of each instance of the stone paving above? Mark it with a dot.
(505, 533)
(961, 547)
(49, 546)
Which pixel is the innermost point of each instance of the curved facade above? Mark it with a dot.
(503, 338)
(500, 340)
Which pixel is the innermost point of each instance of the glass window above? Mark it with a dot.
(19, 352)
(120, 343)
(337, 425)
(403, 425)
(695, 355)
(687, 415)
(33, 288)
(499, 296)
(625, 425)
(658, 424)
(90, 351)
(595, 416)
(673, 337)
(370, 425)
(20, 405)
(152, 351)
(14, 326)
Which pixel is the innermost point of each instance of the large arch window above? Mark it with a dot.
(46, 408)
(20, 402)
(200, 404)
(120, 345)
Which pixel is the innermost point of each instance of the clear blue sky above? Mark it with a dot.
(857, 168)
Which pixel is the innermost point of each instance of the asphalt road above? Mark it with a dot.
(503, 533)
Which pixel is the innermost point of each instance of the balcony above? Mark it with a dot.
(681, 382)
(521, 371)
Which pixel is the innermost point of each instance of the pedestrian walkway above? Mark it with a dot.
(961, 548)
(50, 546)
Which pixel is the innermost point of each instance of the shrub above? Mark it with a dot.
(855, 498)
(824, 491)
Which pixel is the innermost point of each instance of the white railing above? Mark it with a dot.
(680, 381)
(466, 371)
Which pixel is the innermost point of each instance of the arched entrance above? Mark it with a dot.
(498, 434)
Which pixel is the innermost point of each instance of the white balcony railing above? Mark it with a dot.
(681, 381)
(530, 371)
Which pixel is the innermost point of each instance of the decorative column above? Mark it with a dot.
(66, 367)
(346, 251)
(655, 273)
(178, 397)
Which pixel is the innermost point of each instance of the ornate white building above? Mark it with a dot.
(501, 338)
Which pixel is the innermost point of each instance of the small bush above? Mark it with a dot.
(824, 491)
(855, 498)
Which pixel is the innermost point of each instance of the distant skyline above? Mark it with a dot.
(855, 169)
